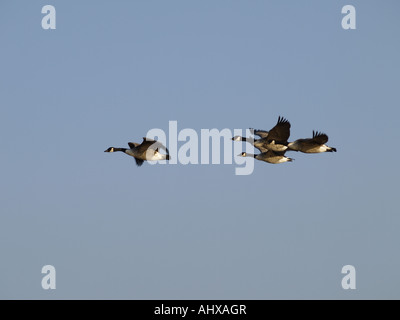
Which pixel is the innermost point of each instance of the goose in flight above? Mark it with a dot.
(147, 150)
(276, 139)
(269, 156)
(316, 144)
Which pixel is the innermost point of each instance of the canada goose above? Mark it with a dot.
(316, 144)
(147, 150)
(269, 156)
(277, 138)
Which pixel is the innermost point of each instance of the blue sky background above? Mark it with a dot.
(112, 70)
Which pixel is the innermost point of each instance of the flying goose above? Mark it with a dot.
(316, 144)
(276, 139)
(269, 156)
(147, 150)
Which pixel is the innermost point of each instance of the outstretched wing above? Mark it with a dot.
(132, 144)
(139, 162)
(281, 131)
(319, 137)
(260, 133)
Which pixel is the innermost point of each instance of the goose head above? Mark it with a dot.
(237, 138)
(243, 154)
(110, 149)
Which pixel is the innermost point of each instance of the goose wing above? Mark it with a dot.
(132, 144)
(319, 137)
(139, 162)
(281, 131)
(150, 143)
(260, 133)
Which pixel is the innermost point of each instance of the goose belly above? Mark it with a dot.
(295, 146)
(277, 159)
(157, 156)
(137, 155)
(318, 149)
(276, 147)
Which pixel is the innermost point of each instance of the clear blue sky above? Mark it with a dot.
(112, 70)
